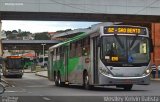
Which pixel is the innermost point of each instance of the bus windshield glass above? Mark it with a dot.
(123, 50)
(14, 63)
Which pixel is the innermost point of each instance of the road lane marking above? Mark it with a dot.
(38, 86)
(14, 91)
(46, 98)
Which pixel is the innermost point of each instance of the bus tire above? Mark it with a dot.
(6, 76)
(58, 80)
(86, 82)
(20, 76)
(2, 88)
(127, 87)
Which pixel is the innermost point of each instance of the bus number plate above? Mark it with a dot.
(128, 81)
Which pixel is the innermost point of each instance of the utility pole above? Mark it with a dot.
(43, 52)
(1, 52)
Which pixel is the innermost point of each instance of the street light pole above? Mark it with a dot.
(1, 52)
(43, 52)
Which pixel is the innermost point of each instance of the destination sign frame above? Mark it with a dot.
(125, 30)
(14, 57)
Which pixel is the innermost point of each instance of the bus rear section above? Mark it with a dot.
(13, 66)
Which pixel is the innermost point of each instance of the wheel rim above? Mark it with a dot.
(56, 80)
(86, 81)
(59, 81)
(2, 89)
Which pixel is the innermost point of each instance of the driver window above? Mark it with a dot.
(143, 48)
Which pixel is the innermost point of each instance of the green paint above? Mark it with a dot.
(72, 64)
(59, 65)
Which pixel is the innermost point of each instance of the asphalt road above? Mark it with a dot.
(38, 89)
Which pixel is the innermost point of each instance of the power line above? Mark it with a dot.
(73, 6)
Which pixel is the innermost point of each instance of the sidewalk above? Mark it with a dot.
(42, 74)
(28, 71)
(156, 79)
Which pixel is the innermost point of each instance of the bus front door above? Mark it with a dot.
(66, 63)
(95, 60)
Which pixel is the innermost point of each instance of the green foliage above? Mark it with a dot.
(22, 34)
(12, 35)
(42, 36)
(8, 33)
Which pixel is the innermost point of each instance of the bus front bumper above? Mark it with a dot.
(14, 73)
(108, 80)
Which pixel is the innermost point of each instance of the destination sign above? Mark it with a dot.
(14, 57)
(124, 30)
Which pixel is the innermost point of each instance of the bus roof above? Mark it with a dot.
(81, 36)
(85, 34)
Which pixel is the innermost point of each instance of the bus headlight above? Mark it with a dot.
(147, 71)
(104, 71)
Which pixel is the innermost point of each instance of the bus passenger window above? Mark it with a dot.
(86, 47)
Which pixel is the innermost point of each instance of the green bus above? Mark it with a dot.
(117, 55)
(27, 62)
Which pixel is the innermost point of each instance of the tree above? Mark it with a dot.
(23, 34)
(8, 33)
(14, 32)
(42, 36)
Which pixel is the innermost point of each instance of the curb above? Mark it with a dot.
(41, 75)
(30, 72)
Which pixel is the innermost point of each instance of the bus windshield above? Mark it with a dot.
(123, 50)
(14, 63)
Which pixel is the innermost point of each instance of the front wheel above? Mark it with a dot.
(128, 87)
(58, 81)
(2, 88)
(86, 82)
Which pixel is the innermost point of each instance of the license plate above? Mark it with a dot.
(127, 81)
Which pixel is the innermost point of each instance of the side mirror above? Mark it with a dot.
(0, 66)
(98, 42)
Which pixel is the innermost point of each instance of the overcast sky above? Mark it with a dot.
(43, 26)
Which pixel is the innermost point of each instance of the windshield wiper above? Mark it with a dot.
(133, 41)
(119, 41)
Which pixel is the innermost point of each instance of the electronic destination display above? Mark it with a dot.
(124, 30)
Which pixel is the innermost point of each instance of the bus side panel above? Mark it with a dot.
(95, 53)
(74, 67)
(50, 63)
(61, 66)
